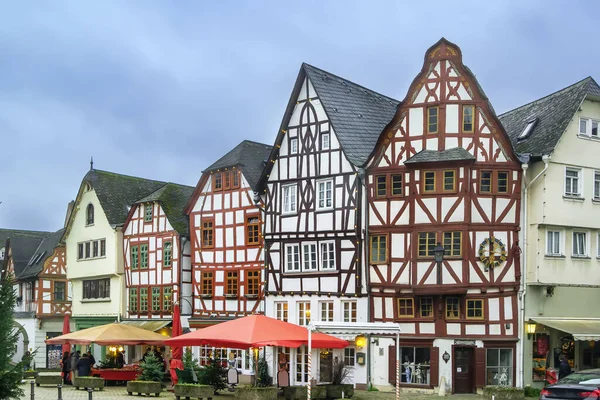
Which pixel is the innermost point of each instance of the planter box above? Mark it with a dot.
(296, 393)
(503, 393)
(256, 393)
(335, 391)
(29, 374)
(318, 392)
(144, 387)
(85, 382)
(48, 379)
(190, 391)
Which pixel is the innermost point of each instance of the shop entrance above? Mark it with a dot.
(325, 365)
(464, 371)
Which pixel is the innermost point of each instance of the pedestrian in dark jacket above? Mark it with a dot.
(564, 368)
(66, 368)
(91, 357)
(84, 366)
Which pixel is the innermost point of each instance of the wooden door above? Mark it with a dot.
(325, 366)
(464, 371)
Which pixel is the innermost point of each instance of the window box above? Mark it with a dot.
(251, 296)
(206, 296)
(230, 295)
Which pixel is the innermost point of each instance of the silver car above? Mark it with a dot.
(578, 385)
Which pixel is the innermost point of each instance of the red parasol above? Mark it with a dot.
(176, 351)
(66, 329)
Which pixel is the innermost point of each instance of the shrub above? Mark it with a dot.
(213, 374)
(531, 391)
(339, 372)
(152, 369)
(264, 379)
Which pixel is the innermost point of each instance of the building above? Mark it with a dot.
(558, 136)
(227, 243)
(314, 214)
(444, 176)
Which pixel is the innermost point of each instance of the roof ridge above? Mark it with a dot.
(548, 95)
(126, 176)
(254, 142)
(24, 231)
(349, 81)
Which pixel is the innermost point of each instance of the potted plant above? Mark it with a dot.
(213, 374)
(337, 389)
(262, 389)
(150, 380)
(187, 385)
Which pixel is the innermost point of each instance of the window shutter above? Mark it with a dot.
(434, 365)
(479, 367)
(392, 365)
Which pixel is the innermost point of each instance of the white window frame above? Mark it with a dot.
(349, 357)
(327, 308)
(327, 249)
(324, 195)
(589, 124)
(551, 251)
(282, 310)
(294, 145)
(586, 244)
(91, 246)
(598, 244)
(509, 369)
(586, 121)
(596, 186)
(295, 264)
(303, 309)
(289, 194)
(311, 263)
(325, 141)
(579, 178)
(349, 306)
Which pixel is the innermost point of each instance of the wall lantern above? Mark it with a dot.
(360, 341)
(530, 327)
(438, 254)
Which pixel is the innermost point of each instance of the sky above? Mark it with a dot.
(161, 89)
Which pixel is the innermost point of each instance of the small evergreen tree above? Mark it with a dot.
(10, 374)
(152, 369)
(214, 374)
(264, 379)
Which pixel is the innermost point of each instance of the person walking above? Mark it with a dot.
(84, 366)
(564, 368)
(66, 368)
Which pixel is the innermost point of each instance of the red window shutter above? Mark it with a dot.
(392, 365)
(479, 367)
(434, 365)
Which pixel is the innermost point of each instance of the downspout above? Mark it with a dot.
(364, 200)
(523, 289)
(182, 241)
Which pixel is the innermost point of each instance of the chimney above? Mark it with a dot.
(70, 207)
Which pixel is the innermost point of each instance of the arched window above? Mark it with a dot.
(90, 215)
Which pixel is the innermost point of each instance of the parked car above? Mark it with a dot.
(578, 385)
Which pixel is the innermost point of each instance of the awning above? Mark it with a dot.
(152, 326)
(349, 330)
(581, 329)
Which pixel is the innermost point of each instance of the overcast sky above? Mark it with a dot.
(160, 89)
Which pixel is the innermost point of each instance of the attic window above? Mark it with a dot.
(148, 212)
(530, 125)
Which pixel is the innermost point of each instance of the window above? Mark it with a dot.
(596, 185)
(499, 367)
(144, 256)
(325, 141)
(302, 365)
(325, 194)
(452, 243)
(226, 180)
(80, 251)
(148, 213)
(449, 181)
(206, 284)
(598, 246)
(327, 255)
(588, 127)
(289, 198)
(381, 189)
(426, 244)
(485, 182)
(378, 249)
(309, 254)
(217, 182)
(474, 309)
(452, 308)
(294, 146)
(553, 245)
(572, 180)
(88, 253)
(327, 311)
(207, 233)
(281, 311)
(135, 260)
(167, 252)
(60, 291)
(95, 249)
(235, 179)
(502, 182)
(583, 122)
(468, 119)
(426, 307)
(156, 300)
(232, 284)
(144, 300)
(133, 300)
(396, 185)
(96, 289)
(252, 283)
(252, 230)
(415, 364)
(303, 313)
(349, 356)
(89, 220)
(432, 120)
(102, 247)
(167, 305)
(406, 308)
(293, 258)
(579, 244)
(428, 181)
(530, 125)
(349, 308)
(92, 249)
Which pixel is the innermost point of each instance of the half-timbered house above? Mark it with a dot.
(314, 219)
(227, 243)
(444, 178)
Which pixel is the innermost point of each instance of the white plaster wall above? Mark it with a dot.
(49, 325)
(30, 326)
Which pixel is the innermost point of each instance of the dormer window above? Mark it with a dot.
(89, 220)
(148, 213)
(530, 125)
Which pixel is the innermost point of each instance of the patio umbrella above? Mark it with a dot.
(256, 331)
(176, 351)
(108, 334)
(66, 329)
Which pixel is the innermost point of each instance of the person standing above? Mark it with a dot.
(564, 368)
(91, 357)
(66, 368)
(84, 366)
(74, 358)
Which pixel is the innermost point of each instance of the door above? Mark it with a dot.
(464, 373)
(325, 365)
(53, 352)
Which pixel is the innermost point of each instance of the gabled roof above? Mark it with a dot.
(39, 256)
(553, 114)
(429, 156)
(6, 233)
(23, 244)
(248, 156)
(172, 198)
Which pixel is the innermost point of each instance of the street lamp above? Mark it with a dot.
(530, 326)
(438, 253)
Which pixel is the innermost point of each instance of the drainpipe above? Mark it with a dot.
(182, 241)
(364, 200)
(523, 288)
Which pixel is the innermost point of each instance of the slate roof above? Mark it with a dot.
(22, 245)
(553, 113)
(173, 198)
(431, 156)
(39, 256)
(358, 115)
(249, 156)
